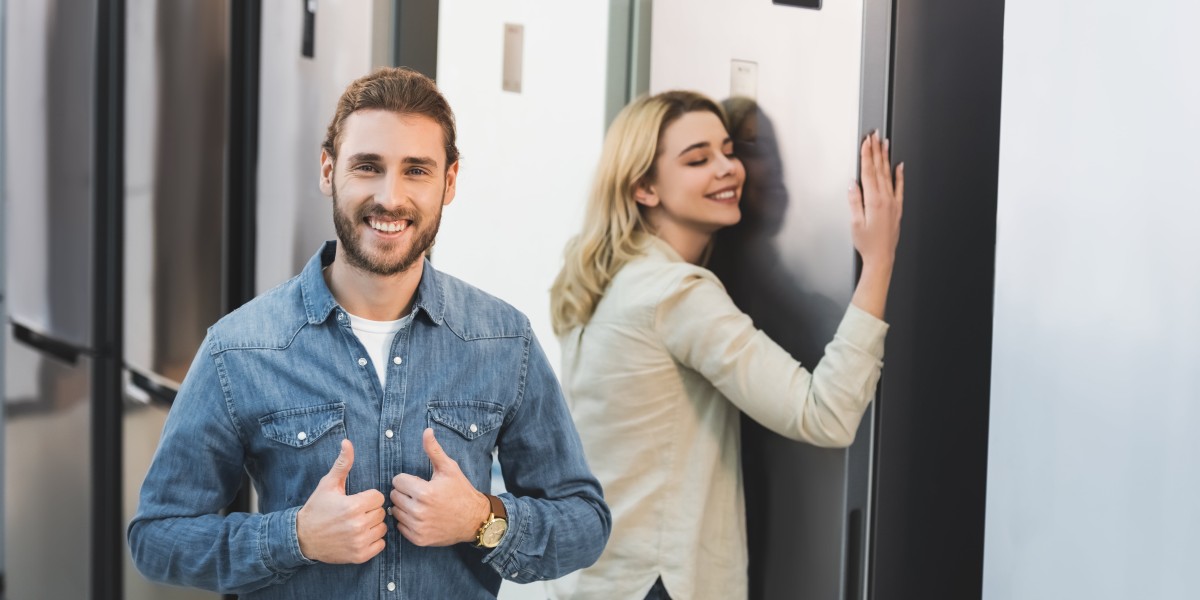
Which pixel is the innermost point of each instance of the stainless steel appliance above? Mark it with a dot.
(135, 150)
(802, 86)
(177, 72)
(115, 153)
(900, 513)
(310, 53)
(49, 177)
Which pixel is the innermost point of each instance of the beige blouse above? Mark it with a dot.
(655, 382)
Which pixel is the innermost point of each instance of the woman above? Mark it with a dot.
(658, 362)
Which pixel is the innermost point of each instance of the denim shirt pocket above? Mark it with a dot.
(302, 427)
(474, 425)
(297, 448)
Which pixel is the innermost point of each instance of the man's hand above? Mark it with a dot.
(443, 511)
(339, 529)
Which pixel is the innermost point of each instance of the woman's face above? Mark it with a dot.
(698, 180)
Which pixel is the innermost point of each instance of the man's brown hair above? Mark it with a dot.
(399, 90)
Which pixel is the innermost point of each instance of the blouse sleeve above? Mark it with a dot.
(705, 331)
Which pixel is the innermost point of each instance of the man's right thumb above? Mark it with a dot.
(341, 466)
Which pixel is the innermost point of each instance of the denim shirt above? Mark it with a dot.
(281, 381)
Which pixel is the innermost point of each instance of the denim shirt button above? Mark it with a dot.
(302, 436)
(362, 362)
(388, 434)
(341, 317)
(391, 586)
(474, 428)
(397, 360)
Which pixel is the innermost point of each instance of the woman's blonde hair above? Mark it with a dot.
(614, 230)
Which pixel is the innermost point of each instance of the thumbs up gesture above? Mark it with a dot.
(443, 511)
(336, 528)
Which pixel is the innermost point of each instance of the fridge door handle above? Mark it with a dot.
(63, 351)
(156, 392)
(310, 28)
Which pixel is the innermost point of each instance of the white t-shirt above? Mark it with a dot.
(376, 337)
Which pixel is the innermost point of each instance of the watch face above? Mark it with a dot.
(493, 533)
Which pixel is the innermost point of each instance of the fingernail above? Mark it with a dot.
(875, 134)
(887, 144)
(852, 184)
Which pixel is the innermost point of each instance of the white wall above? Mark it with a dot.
(527, 158)
(1093, 471)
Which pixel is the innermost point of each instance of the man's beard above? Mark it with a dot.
(351, 238)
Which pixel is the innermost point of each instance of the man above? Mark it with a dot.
(365, 397)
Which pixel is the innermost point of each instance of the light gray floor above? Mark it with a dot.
(516, 591)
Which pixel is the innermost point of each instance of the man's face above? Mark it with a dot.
(389, 185)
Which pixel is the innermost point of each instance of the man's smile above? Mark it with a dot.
(387, 226)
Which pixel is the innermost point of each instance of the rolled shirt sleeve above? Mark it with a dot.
(557, 518)
(705, 331)
(178, 535)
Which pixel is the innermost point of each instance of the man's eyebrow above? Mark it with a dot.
(371, 157)
(420, 161)
(365, 157)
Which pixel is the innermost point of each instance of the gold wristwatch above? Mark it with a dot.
(494, 528)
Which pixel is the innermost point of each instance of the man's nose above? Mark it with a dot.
(393, 193)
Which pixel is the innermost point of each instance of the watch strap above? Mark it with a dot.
(498, 513)
(498, 510)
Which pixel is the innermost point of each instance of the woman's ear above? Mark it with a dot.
(644, 194)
